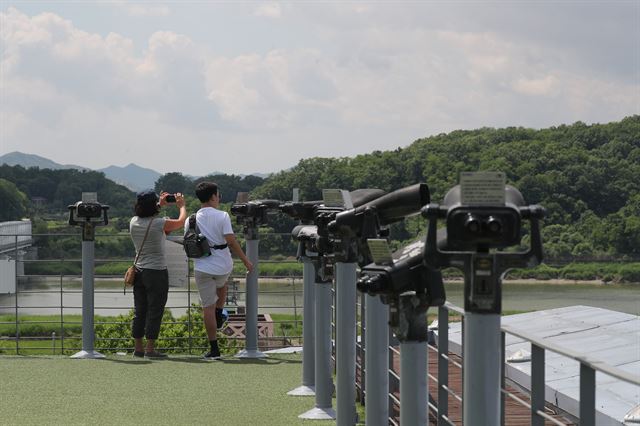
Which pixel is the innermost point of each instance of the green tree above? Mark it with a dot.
(14, 202)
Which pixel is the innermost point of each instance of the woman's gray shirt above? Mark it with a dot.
(152, 255)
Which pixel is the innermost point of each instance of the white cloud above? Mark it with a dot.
(535, 86)
(268, 10)
(138, 9)
(361, 77)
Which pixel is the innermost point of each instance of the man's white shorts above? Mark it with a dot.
(208, 285)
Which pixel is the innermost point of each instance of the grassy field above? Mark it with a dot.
(125, 391)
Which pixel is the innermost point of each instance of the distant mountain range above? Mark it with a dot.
(30, 160)
(132, 176)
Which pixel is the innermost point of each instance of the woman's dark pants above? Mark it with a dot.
(150, 292)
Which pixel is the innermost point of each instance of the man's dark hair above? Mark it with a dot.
(206, 190)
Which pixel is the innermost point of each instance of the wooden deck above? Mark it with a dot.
(515, 413)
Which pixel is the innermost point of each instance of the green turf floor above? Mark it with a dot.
(179, 391)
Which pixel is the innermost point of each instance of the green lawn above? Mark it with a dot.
(121, 390)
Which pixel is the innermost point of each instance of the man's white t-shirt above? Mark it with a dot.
(213, 224)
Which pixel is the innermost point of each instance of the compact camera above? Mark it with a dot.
(171, 198)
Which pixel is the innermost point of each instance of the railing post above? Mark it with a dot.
(323, 376)
(61, 317)
(16, 298)
(346, 343)
(361, 349)
(251, 300)
(88, 333)
(503, 360)
(414, 394)
(189, 319)
(537, 384)
(443, 365)
(481, 387)
(376, 361)
(308, 352)
(587, 396)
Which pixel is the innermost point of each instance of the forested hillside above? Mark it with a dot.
(54, 190)
(29, 191)
(587, 176)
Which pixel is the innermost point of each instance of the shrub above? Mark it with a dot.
(629, 273)
(174, 333)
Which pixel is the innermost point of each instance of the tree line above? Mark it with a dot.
(586, 176)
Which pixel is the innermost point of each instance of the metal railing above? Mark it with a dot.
(57, 299)
(67, 336)
(533, 400)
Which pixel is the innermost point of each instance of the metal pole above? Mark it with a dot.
(443, 364)
(251, 305)
(481, 389)
(587, 395)
(537, 384)
(323, 375)
(346, 343)
(308, 351)
(376, 362)
(88, 258)
(413, 383)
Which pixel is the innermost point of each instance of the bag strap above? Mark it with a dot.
(193, 225)
(143, 241)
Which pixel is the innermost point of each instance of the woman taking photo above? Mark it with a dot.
(151, 287)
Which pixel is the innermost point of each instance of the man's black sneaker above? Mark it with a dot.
(155, 355)
(138, 354)
(221, 318)
(212, 355)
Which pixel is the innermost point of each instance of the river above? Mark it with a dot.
(285, 296)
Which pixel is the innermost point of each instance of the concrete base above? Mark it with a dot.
(250, 354)
(88, 355)
(303, 391)
(319, 414)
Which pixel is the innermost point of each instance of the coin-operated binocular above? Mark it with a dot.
(252, 214)
(477, 231)
(322, 212)
(406, 284)
(341, 247)
(307, 237)
(304, 211)
(370, 220)
(483, 216)
(88, 214)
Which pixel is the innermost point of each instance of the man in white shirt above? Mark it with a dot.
(211, 272)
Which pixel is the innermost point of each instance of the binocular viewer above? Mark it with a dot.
(252, 214)
(407, 272)
(88, 212)
(476, 235)
(480, 228)
(257, 209)
(366, 220)
(309, 211)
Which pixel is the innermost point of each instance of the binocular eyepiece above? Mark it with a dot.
(255, 208)
(471, 227)
(91, 212)
(406, 273)
(303, 211)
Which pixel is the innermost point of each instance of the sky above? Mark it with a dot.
(245, 86)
